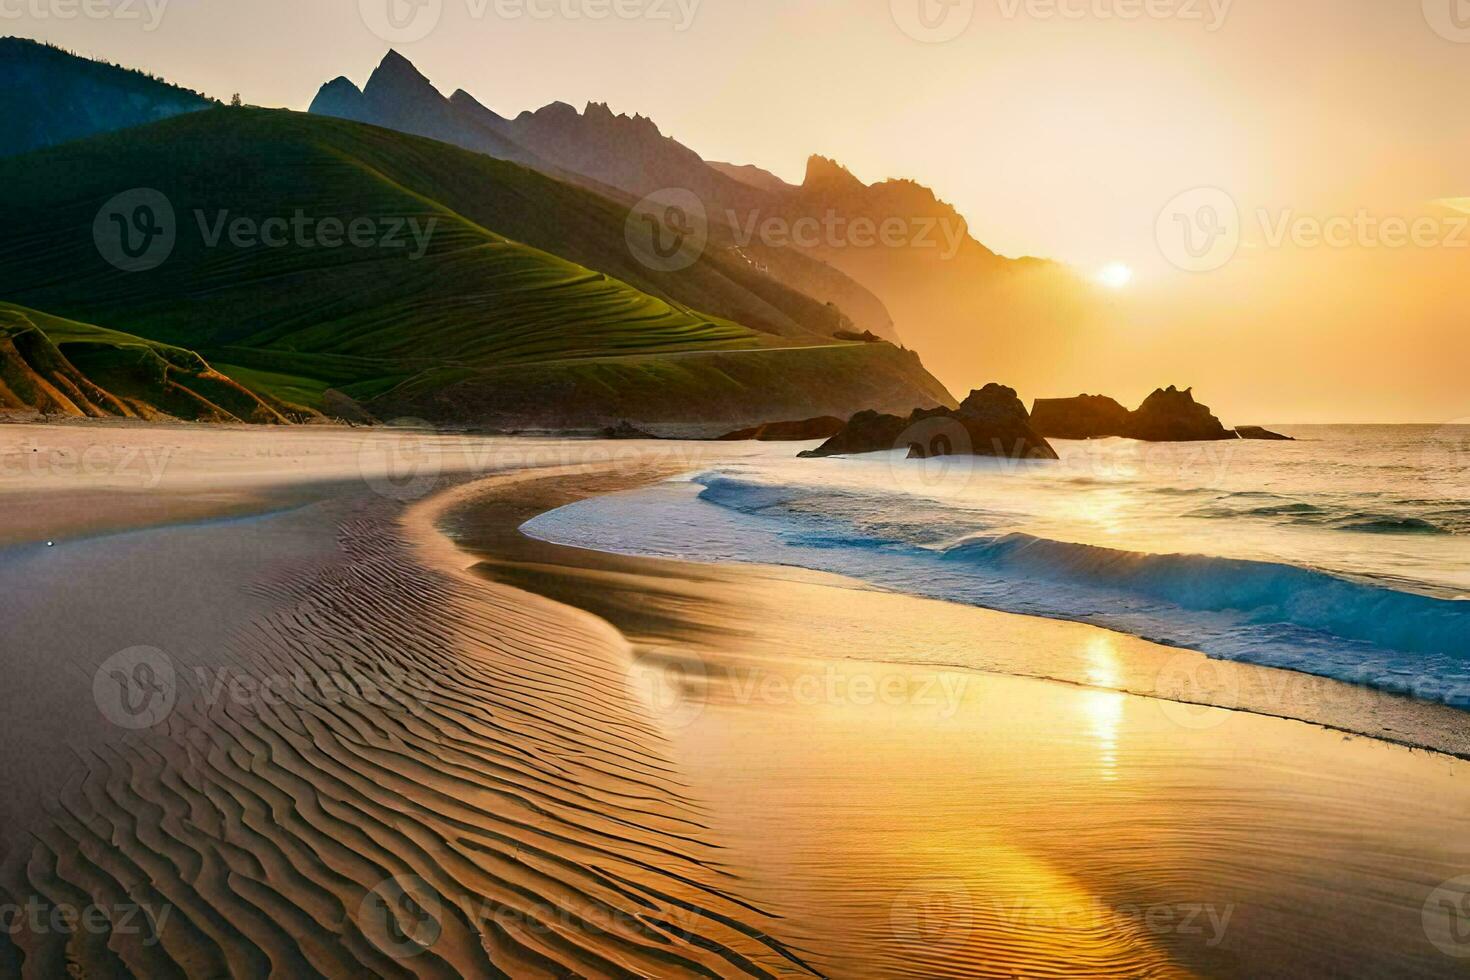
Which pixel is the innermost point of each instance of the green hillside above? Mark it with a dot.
(54, 366)
(309, 254)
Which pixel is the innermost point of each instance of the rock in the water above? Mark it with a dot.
(1083, 417)
(991, 422)
(1171, 415)
(865, 432)
(1256, 432)
(823, 427)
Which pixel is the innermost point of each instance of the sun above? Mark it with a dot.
(1115, 275)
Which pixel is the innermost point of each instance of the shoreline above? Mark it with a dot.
(1148, 668)
(569, 761)
(725, 658)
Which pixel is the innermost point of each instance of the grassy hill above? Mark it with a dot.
(53, 366)
(309, 254)
(49, 96)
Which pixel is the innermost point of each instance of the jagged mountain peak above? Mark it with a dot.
(397, 72)
(341, 84)
(340, 98)
(825, 172)
(395, 62)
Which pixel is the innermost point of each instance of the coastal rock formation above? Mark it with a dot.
(805, 430)
(117, 376)
(1171, 415)
(991, 422)
(1256, 432)
(35, 377)
(1168, 415)
(1083, 417)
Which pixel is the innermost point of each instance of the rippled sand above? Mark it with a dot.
(446, 778)
(377, 754)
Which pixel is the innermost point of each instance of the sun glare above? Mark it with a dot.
(1115, 276)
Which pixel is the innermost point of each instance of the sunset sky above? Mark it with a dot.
(1059, 136)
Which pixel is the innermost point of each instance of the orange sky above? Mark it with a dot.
(1057, 126)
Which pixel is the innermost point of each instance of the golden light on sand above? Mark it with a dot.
(1104, 708)
(1115, 275)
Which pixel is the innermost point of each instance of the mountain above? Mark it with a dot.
(624, 159)
(303, 254)
(931, 282)
(399, 97)
(50, 96)
(958, 302)
(753, 176)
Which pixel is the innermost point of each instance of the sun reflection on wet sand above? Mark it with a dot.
(1104, 708)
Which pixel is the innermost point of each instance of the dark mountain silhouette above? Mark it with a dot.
(623, 158)
(928, 281)
(398, 96)
(50, 96)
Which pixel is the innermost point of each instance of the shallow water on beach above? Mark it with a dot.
(1345, 554)
(907, 819)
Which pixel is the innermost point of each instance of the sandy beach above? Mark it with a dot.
(307, 703)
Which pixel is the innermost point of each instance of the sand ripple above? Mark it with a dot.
(455, 784)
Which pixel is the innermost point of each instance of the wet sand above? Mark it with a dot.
(908, 819)
(306, 734)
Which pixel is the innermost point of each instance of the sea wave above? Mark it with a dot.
(1359, 628)
(1265, 592)
(1387, 516)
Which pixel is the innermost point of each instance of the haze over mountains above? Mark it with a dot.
(48, 96)
(897, 260)
(480, 291)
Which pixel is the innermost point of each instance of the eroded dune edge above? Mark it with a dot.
(456, 784)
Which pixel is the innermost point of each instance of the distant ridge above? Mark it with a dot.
(936, 287)
(754, 176)
(398, 96)
(50, 96)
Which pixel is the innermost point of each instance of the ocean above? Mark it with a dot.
(1345, 554)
